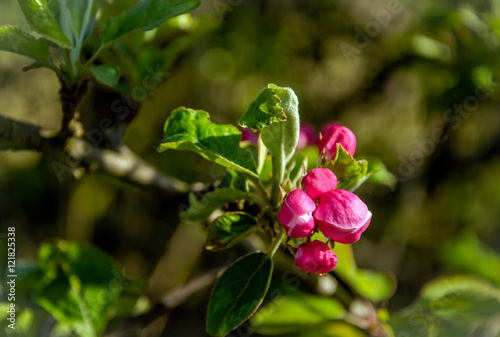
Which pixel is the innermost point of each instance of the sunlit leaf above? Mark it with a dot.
(188, 129)
(15, 41)
(350, 172)
(43, 17)
(145, 15)
(296, 311)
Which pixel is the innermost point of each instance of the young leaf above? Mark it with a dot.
(350, 172)
(43, 17)
(295, 311)
(238, 293)
(106, 74)
(145, 15)
(16, 41)
(74, 19)
(275, 113)
(192, 130)
(229, 229)
(201, 210)
(265, 110)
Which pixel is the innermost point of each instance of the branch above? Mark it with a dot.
(16, 135)
(124, 164)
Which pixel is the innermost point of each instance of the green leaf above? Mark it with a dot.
(265, 110)
(296, 311)
(43, 17)
(15, 41)
(75, 279)
(375, 286)
(276, 113)
(74, 19)
(378, 174)
(106, 74)
(464, 252)
(451, 306)
(188, 129)
(145, 15)
(201, 210)
(238, 293)
(350, 172)
(229, 229)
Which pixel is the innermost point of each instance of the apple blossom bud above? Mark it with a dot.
(249, 136)
(342, 216)
(315, 257)
(334, 135)
(307, 136)
(296, 214)
(319, 181)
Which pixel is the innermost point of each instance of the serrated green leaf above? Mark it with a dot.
(265, 110)
(296, 311)
(229, 229)
(188, 129)
(201, 210)
(351, 173)
(145, 15)
(16, 41)
(276, 113)
(238, 293)
(106, 74)
(43, 18)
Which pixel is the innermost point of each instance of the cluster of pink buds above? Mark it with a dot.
(340, 215)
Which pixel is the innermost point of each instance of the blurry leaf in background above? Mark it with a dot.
(188, 129)
(468, 254)
(79, 285)
(238, 293)
(375, 286)
(15, 41)
(43, 17)
(145, 15)
(378, 174)
(230, 229)
(452, 306)
(295, 311)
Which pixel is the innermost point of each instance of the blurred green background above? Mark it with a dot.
(417, 82)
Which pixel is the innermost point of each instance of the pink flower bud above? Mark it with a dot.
(308, 136)
(296, 214)
(319, 181)
(342, 216)
(334, 135)
(249, 136)
(315, 257)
